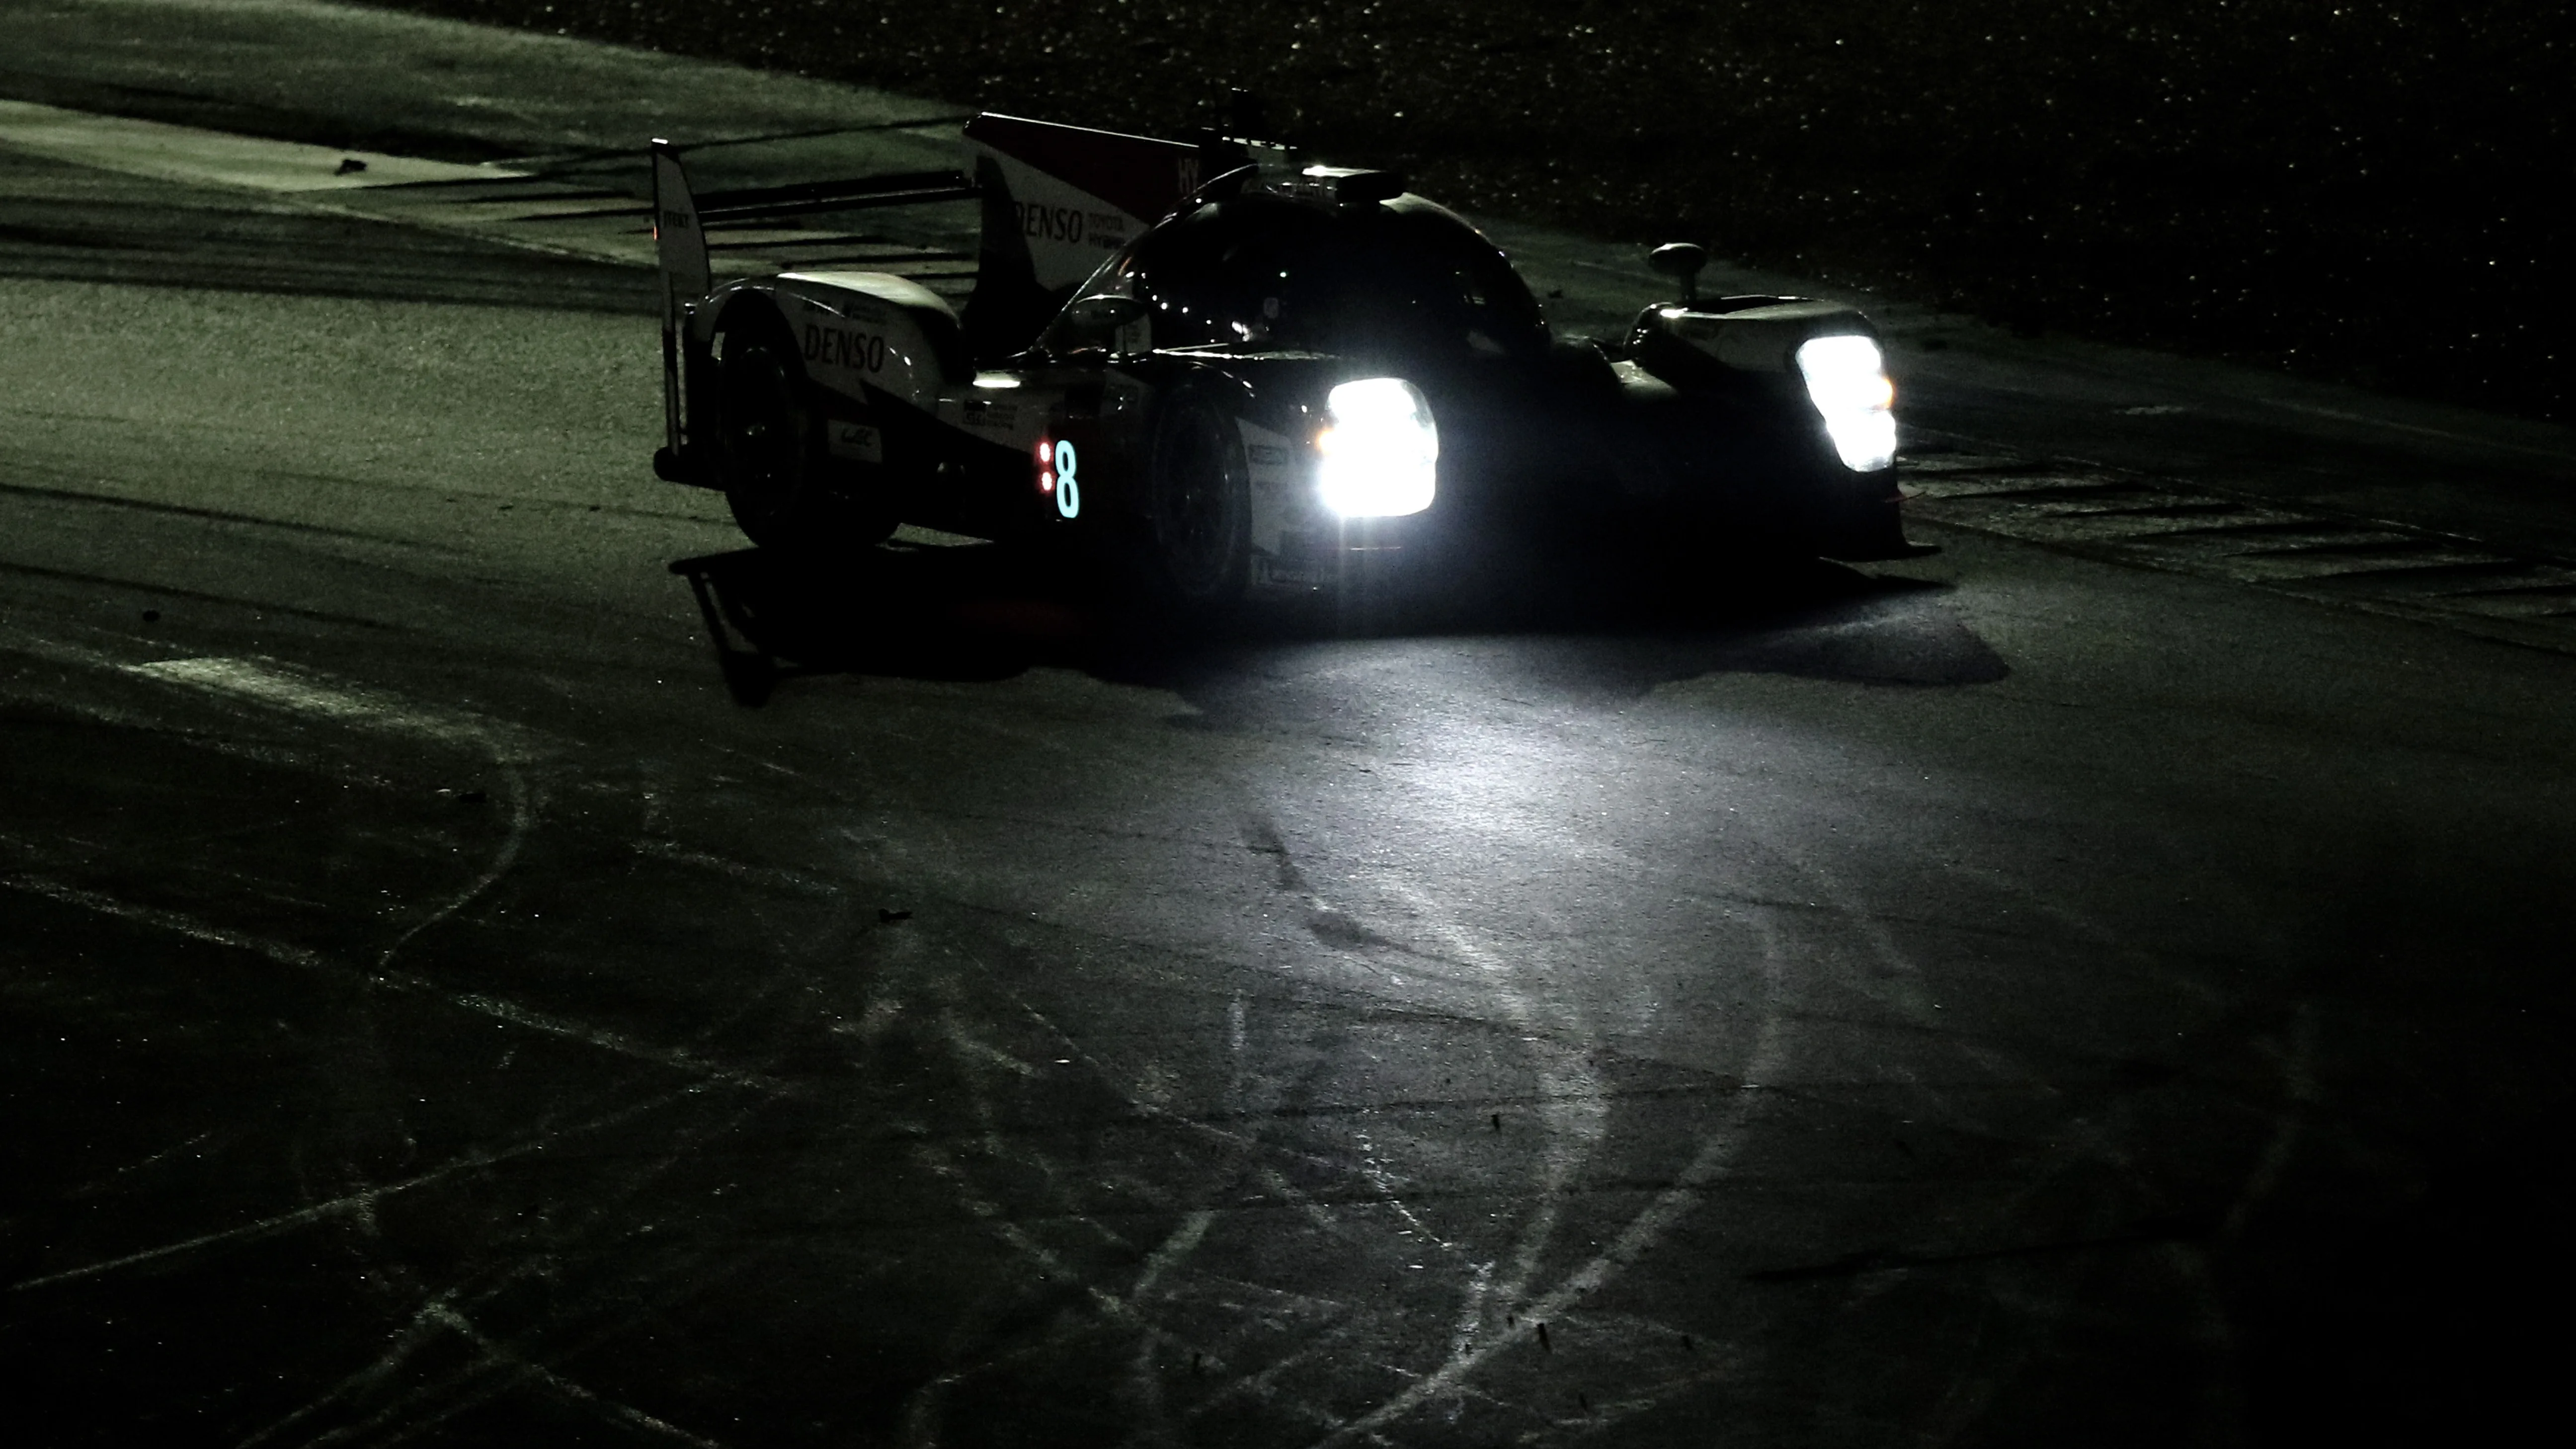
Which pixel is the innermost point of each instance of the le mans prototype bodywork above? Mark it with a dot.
(1253, 368)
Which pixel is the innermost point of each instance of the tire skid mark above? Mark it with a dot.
(1903, 988)
(654, 847)
(923, 1407)
(1609, 1413)
(1146, 1385)
(1146, 1389)
(1575, 1103)
(1690, 1187)
(408, 1340)
(524, 1369)
(2098, 935)
(482, 1379)
(494, 1371)
(972, 1052)
(1570, 1104)
(351, 1204)
(498, 1009)
(2095, 1141)
(1381, 1178)
(926, 1406)
(1247, 1142)
(523, 820)
(613, 1317)
(272, 753)
(1174, 1250)
(499, 1368)
(458, 1390)
(103, 1183)
(421, 1327)
(1006, 1226)
(272, 685)
(2300, 1098)
(1128, 1308)
(2300, 1092)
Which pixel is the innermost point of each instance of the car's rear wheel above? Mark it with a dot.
(1200, 497)
(771, 457)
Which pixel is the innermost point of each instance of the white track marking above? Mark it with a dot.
(170, 921)
(278, 686)
(197, 157)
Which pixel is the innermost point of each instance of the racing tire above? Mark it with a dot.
(770, 457)
(1199, 505)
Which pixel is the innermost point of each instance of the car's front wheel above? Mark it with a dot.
(1200, 502)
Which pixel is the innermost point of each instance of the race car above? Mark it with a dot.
(1254, 369)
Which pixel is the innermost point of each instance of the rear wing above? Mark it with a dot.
(683, 222)
(1057, 202)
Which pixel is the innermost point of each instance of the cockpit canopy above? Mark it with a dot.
(1405, 279)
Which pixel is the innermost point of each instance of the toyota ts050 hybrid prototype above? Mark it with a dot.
(1255, 369)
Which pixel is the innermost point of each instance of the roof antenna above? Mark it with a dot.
(1245, 118)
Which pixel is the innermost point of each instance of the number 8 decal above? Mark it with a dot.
(1068, 489)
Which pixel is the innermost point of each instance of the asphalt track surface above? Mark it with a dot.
(2003, 997)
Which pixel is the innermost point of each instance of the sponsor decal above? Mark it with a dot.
(990, 420)
(844, 347)
(858, 442)
(1065, 228)
(1050, 223)
(1278, 574)
(1279, 500)
(1137, 176)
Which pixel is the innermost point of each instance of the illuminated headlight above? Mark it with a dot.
(1847, 380)
(1379, 449)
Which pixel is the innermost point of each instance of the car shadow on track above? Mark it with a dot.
(1596, 622)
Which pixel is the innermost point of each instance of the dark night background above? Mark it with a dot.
(1012, 942)
(2368, 192)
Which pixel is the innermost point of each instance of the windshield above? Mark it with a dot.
(1407, 279)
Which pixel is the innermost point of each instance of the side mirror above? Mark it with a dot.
(1680, 260)
(1103, 313)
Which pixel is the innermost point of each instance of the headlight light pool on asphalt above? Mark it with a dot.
(1847, 381)
(1379, 450)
